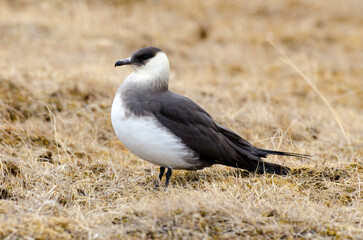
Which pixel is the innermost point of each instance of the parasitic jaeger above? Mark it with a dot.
(172, 131)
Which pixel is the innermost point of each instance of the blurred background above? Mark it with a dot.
(285, 74)
(229, 56)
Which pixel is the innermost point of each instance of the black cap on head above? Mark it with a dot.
(140, 57)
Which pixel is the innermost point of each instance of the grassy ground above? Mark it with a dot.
(284, 74)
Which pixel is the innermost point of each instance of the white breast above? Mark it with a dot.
(149, 140)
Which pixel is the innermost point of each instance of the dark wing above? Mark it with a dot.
(192, 124)
(199, 132)
(214, 143)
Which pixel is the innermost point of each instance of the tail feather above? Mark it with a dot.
(254, 163)
(272, 168)
(261, 167)
(264, 152)
(250, 156)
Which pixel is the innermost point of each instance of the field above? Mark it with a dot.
(285, 75)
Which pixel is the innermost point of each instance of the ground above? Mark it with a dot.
(286, 75)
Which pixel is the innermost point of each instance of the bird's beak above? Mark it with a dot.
(125, 61)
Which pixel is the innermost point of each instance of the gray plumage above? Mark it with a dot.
(210, 142)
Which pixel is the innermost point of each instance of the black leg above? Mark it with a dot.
(162, 170)
(167, 175)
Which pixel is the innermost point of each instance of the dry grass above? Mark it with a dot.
(64, 174)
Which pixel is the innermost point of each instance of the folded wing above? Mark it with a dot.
(214, 143)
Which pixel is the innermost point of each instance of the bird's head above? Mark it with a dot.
(149, 63)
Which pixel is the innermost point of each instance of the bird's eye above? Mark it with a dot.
(143, 56)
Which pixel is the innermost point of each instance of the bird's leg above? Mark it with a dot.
(162, 170)
(168, 175)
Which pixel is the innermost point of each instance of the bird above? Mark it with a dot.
(172, 131)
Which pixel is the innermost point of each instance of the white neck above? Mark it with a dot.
(156, 70)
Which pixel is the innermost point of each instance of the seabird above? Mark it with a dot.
(172, 131)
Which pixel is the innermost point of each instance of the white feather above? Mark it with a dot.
(156, 68)
(149, 140)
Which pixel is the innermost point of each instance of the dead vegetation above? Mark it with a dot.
(64, 174)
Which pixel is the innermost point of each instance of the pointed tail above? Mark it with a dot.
(250, 156)
(264, 152)
(266, 167)
(260, 167)
(254, 163)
